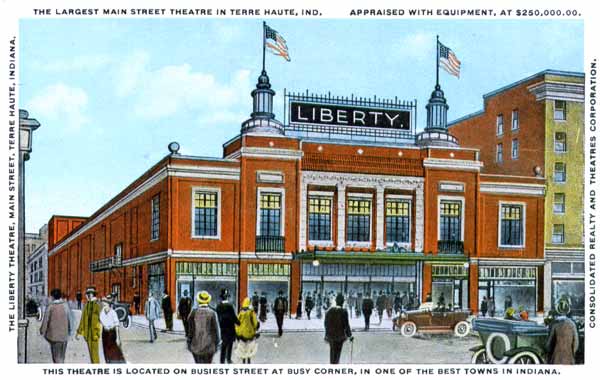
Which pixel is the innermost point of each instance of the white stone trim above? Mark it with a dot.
(452, 164)
(263, 176)
(266, 256)
(315, 193)
(360, 195)
(499, 261)
(204, 189)
(279, 190)
(524, 224)
(451, 186)
(341, 218)
(204, 255)
(271, 153)
(379, 227)
(212, 172)
(462, 213)
(508, 188)
(553, 90)
(146, 259)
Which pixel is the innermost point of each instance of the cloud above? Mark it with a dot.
(161, 92)
(60, 103)
(79, 63)
(419, 45)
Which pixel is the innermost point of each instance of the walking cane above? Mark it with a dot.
(351, 349)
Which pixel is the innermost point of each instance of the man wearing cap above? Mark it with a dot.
(152, 312)
(337, 329)
(227, 321)
(204, 335)
(563, 340)
(89, 325)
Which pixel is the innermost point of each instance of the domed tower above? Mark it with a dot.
(262, 119)
(436, 130)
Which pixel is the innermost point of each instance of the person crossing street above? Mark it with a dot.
(337, 329)
(280, 308)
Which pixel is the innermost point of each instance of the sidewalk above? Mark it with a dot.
(289, 325)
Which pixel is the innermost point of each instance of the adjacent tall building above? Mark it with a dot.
(534, 128)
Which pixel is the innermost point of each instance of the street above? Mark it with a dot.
(373, 347)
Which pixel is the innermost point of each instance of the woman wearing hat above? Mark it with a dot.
(89, 324)
(246, 332)
(563, 340)
(111, 339)
(204, 335)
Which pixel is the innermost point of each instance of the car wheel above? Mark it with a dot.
(479, 357)
(525, 357)
(490, 345)
(462, 329)
(408, 329)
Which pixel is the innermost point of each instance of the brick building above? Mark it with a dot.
(534, 128)
(341, 204)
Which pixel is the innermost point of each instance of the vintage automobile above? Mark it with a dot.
(431, 320)
(514, 342)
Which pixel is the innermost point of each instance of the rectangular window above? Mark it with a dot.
(499, 153)
(559, 203)
(451, 220)
(270, 214)
(319, 219)
(515, 120)
(515, 149)
(560, 172)
(560, 142)
(359, 220)
(206, 212)
(155, 218)
(558, 233)
(397, 220)
(511, 225)
(560, 110)
(499, 125)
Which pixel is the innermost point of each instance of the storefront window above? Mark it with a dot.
(156, 279)
(571, 290)
(269, 279)
(510, 287)
(195, 277)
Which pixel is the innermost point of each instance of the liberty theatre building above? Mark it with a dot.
(343, 196)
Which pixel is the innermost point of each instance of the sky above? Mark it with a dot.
(110, 94)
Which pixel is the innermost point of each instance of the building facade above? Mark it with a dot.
(534, 128)
(329, 200)
(36, 263)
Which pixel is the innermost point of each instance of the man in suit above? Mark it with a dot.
(280, 308)
(57, 326)
(167, 311)
(367, 309)
(227, 322)
(89, 325)
(337, 329)
(184, 309)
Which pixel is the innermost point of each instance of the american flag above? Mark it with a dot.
(278, 46)
(448, 60)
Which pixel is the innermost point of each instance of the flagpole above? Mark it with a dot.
(437, 61)
(264, 42)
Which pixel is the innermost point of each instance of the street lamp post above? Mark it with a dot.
(26, 128)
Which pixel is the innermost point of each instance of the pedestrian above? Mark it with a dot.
(523, 314)
(264, 302)
(111, 339)
(79, 298)
(380, 304)
(416, 303)
(507, 302)
(57, 326)
(309, 304)
(491, 306)
(227, 322)
(367, 309)
(319, 305)
(299, 307)
(483, 307)
(184, 309)
(337, 329)
(359, 303)
(509, 314)
(89, 325)
(389, 304)
(204, 334)
(563, 340)
(136, 302)
(152, 312)
(441, 303)
(397, 303)
(404, 301)
(280, 308)
(167, 311)
(255, 301)
(351, 303)
(428, 298)
(247, 333)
